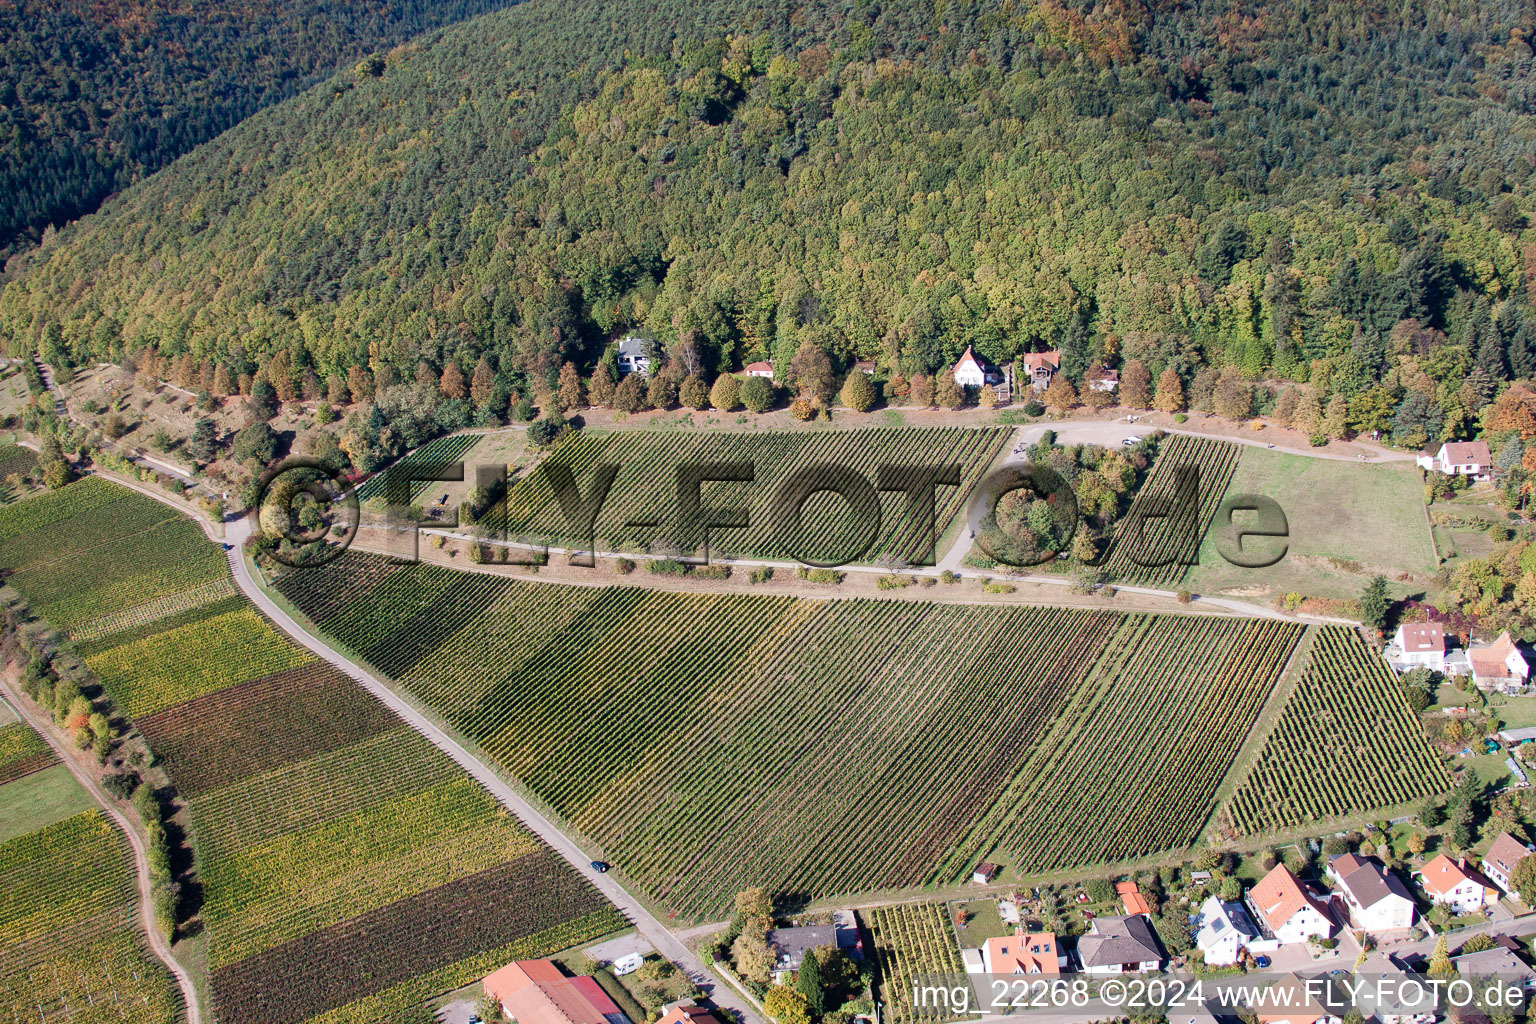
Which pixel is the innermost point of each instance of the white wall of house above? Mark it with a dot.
(1302, 925)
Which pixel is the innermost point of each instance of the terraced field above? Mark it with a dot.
(349, 870)
(645, 491)
(711, 743)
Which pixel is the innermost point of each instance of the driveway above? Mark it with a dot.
(624, 945)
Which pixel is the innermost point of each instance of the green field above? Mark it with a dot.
(342, 858)
(1347, 522)
(40, 799)
(1171, 512)
(691, 736)
(910, 940)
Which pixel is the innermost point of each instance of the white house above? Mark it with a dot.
(1025, 953)
(1418, 645)
(1460, 458)
(1376, 900)
(1222, 931)
(972, 372)
(760, 368)
(1499, 665)
(1287, 909)
(1501, 858)
(1452, 884)
(1391, 1002)
(1104, 379)
(1119, 945)
(636, 355)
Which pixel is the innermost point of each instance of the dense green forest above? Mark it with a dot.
(93, 95)
(1332, 192)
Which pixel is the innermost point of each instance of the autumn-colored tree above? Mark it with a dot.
(693, 392)
(1336, 418)
(1307, 416)
(1170, 392)
(859, 392)
(1060, 394)
(280, 375)
(1095, 398)
(802, 409)
(223, 383)
(1285, 406)
(1234, 397)
(1136, 386)
(243, 383)
(186, 372)
(425, 374)
(1512, 411)
(570, 395)
(726, 394)
(482, 386)
(922, 391)
(336, 389)
(205, 374)
(629, 396)
(602, 390)
(898, 385)
(310, 388)
(786, 1005)
(451, 383)
(812, 374)
(359, 384)
(987, 397)
(947, 392)
(662, 392)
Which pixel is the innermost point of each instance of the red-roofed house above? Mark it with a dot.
(759, 369)
(1499, 665)
(1042, 366)
(1130, 895)
(1451, 883)
(1499, 863)
(1419, 645)
(973, 372)
(1036, 953)
(1287, 909)
(689, 1013)
(1460, 458)
(1104, 379)
(537, 992)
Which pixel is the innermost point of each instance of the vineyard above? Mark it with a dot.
(1346, 743)
(69, 945)
(319, 821)
(22, 752)
(430, 456)
(645, 490)
(893, 741)
(14, 460)
(1187, 501)
(911, 940)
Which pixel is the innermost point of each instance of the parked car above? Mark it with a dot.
(1261, 962)
(600, 866)
(1128, 442)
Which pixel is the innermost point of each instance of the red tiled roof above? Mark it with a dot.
(1023, 954)
(1280, 895)
(689, 1013)
(1461, 453)
(1035, 360)
(1505, 853)
(1442, 875)
(536, 992)
(1419, 637)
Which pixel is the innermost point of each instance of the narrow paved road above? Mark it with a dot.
(647, 924)
(157, 943)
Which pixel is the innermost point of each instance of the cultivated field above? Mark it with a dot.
(645, 490)
(70, 948)
(1345, 743)
(22, 751)
(710, 743)
(435, 455)
(910, 940)
(1171, 512)
(348, 869)
(1347, 522)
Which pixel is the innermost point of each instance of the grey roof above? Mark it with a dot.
(1518, 735)
(1118, 940)
(632, 345)
(1217, 917)
(1494, 962)
(793, 943)
(1370, 883)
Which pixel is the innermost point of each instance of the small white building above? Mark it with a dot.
(1460, 458)
(1452, 884)
(1501, 858)
(636, 355)
(1223, 931)
(761, 368)
(1105, 379)
(1375, 899)
(1418, 645)
(973, 372)
(1499, 665)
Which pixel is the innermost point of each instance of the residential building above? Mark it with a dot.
(1496, 963)
(971, 371)
(1104, 380)
(688, 1012)
(865, 366)
(1130, 895)
(1501, 858)
(792, 944)
(1119, 945)
(538, 992)
(1025, 953)
(1451, 883)
(1040, 367)
(1223, 931)
(636, 355)
(1291, 1000)
(1390, 1002)
(1374, 899)
(760, 368)
(1460, 458)
(1499, 665)
(1418, 645)
(1287, 910)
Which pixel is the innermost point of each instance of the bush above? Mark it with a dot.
(711, 572)
(623, 566)
(758, 394)
(948, 577)
(726, 393)
(819, 575)
(1184, 597)
(927, 581)
(859, 392)
(895, 582)
(762, 574)
(666, 567)
(802, 409)
(1033, 408)
(1179, 417)
(1000, 588)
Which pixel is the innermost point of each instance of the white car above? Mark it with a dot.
(628, 964)
(1127, 442)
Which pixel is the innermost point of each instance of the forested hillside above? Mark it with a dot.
(1331, 192)
(94, 95)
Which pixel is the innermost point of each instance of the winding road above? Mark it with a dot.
(157, 943)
